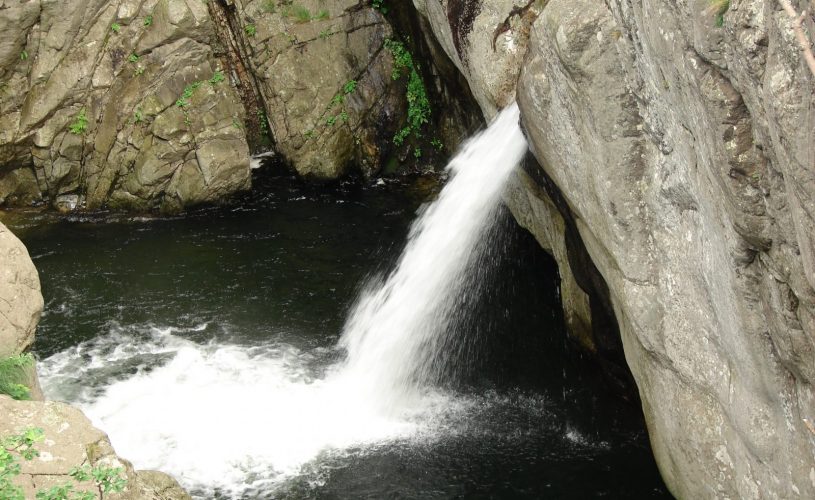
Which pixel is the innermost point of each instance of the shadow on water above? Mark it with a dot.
(286, 266)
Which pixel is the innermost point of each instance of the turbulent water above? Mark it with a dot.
(397, 334)
(208, 346)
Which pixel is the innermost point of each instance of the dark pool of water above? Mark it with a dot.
(287, 265)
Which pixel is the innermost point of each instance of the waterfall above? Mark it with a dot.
(229, 420)
(397, 334)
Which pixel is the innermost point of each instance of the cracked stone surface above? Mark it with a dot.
(686, 155)
(138, 149)
(303, 64)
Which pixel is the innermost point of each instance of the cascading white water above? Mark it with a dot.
(396, 332)
(225, 418)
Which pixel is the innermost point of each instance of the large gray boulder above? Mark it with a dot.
(21, 302)
(684, 152)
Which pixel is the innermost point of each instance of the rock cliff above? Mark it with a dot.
(680, 139)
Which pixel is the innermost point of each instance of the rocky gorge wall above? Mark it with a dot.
(156, 104)
(681, 140)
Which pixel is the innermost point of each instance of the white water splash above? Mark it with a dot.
(396, 334)
(229, 418)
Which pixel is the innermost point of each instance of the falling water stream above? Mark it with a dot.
(207, 346)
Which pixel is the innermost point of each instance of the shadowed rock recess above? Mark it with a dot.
(682, 145)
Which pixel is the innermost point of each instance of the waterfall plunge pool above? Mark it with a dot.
(204, 344)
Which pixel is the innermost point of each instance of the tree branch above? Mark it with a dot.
(800, 35)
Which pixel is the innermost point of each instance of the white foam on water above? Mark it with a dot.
(228, 418)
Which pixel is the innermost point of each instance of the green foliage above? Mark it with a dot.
(343, 116)
(105, 479)
(416, 93)
(301, 14)
(138, 115)
(217, 78)
(718, 8)
(189, 90)
(380, 6)
(22, 445)
(23, 55)
(436, 143)
(148, 20)
(13, 373)
(250, 30)
(322, 15)
(80, 123)
(417, 153)
(331, 120)
(116, 27)
(324, 34)
(138, 71)
(269, 6)
(133, 58)
(349, 87)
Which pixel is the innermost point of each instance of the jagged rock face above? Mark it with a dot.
(325, 77)
(685, 152)
(70, 440)
(125, 64)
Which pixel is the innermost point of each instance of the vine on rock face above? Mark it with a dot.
(416, 94)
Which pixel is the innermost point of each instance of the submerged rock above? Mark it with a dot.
(684, 154)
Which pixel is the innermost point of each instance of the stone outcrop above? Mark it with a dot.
(70, 440)
(121, 104)
(21, 302)
(685, 154)
(325, 77)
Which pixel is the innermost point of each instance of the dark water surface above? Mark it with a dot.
(283, 269)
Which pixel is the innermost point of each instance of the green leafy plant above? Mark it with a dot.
(105, 479)
(133, 58)
(217, 78)
(436, 143)
(138, 115)
(10, 446)
(250, 30)
(13, 373)
(148, 20)
(80, 124)
(416, 93)
(23, 55)
(321, 15)
(380, 6)
(138, 71)
(718, 8)
(349, 87)
(324, 34)
(269, 6)
(417, 153)
(116, 27)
